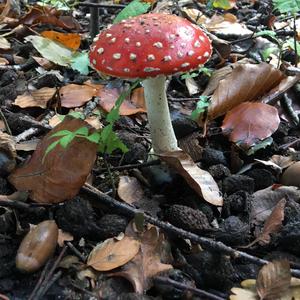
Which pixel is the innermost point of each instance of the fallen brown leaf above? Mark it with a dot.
(247, 82)
(272, 225)
(199, 180)
(147, 263)
(70, 40)
(134, 105)
(36, 98)
(273, 280)
(265, 200)
(63, 171)
(113, 253)
(129, 189)
(250, 122)
(75, 95)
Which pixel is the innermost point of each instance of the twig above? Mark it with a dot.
(110, 175)
(76, 251)
(45, 281)
(94, 19)
(108, 6)
(295, 42)
(5, 122)
(204, 242)
(132, 166)
(182, 286)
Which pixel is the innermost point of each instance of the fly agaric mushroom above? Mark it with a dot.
(150, 47)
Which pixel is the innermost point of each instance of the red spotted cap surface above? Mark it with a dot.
(149, 45)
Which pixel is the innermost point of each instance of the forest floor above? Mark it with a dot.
(89, 214)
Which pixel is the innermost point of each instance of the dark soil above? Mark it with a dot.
(167, 197)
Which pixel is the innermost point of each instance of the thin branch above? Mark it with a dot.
(210, 244)
(182, 286)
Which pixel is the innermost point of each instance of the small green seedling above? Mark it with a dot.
(201, 106)
(106, 138)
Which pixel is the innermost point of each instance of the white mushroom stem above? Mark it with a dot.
(162, 133)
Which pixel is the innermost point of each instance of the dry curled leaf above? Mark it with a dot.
(113, 253)
(247, 82)
(199, 180)
(250, 122)
(36, 98)
(272, 225)
(130, 106)
(60, 174)
(265, 200)
(74, 95)
(70, 40)
(147, 263)
(273, 280)
(129, 189)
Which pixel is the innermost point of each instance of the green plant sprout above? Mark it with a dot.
(289, 7)
(196, 73)
(223, 4)
(60, 4)
(106, 138)
(201, 106)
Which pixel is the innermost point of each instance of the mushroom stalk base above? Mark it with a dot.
(162, 133)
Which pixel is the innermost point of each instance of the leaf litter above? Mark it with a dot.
(242, 93)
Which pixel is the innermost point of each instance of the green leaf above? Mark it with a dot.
(83, 131)
(66, 140)
(51, 50)
(189, 75)
(268, 51)
(287, 6)
(270, 33)
(50, 148)
(261, 145)
(290, 43)
(223, 4)
(77, 115)
(61, 133)
(80, 62)
(133, 9)
(206, 71)
(113, 115)
(94, 137)
(201, 106)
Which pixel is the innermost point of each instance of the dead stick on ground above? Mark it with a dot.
(204, 242)
(181, 286)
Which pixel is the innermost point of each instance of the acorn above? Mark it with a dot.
(37, 246)
(291, 175)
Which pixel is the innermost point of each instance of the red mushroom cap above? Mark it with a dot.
(149, 45)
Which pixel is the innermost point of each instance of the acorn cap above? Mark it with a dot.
(150, 45)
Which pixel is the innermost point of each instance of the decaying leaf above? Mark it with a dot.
(62, 172)
(199, 180)
(273, 280)
(265, 200)
(129, 189)
(250, 122)
(130, 106)
(272, 225)
(243, 294)
(247, 82)
(7, 153)
(48, 15)
(35, 98)
(147, 263)
(74, 95)
(113, 253)
(70, 40)
(51, 50)
(63, 237)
